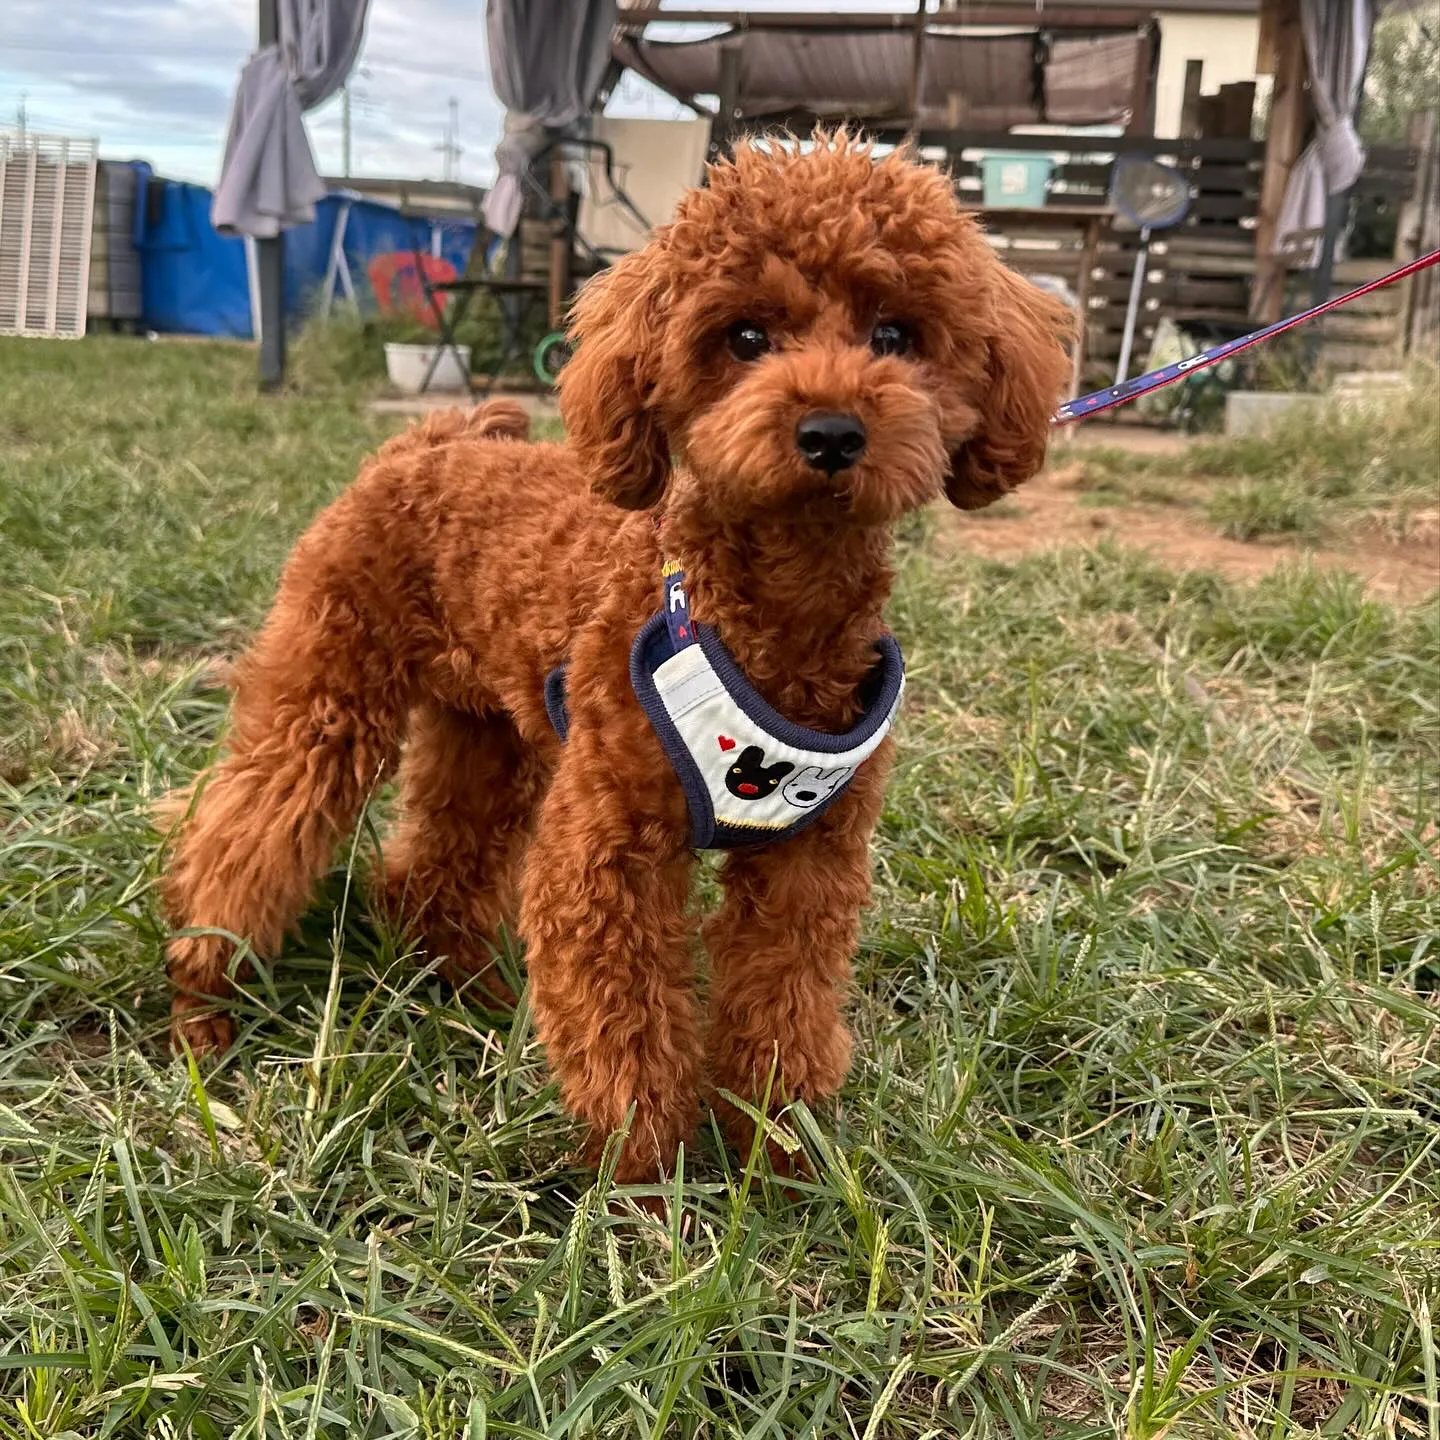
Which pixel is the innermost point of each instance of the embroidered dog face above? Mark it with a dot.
(816, 328)
(810, 785)
(750, 778)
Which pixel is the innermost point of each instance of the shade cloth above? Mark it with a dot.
(268, 179)
(655, 163)
(985, 82)
(547, 63)
(1089, 74)
(1337, 46)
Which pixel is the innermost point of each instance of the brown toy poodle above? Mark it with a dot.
(819, 343)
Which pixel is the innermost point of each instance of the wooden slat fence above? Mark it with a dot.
(1199, 273)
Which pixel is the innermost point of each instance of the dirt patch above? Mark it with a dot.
(1050, 512)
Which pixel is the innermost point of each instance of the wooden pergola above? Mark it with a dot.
(1281, 53)
(1060, 16)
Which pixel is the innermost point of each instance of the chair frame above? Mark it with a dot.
(449, 300)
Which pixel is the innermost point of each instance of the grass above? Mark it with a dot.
(1141, 1138)
(1313, 476)
(346, 350)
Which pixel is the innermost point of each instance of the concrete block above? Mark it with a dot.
(1253, 412)
(1373, 388)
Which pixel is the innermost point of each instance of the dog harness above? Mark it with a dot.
(750, 776)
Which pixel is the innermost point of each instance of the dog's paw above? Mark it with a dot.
(196, 1024)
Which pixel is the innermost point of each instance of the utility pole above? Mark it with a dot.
(270, 255)
(345, 130)
(451, 148)
(21, 115)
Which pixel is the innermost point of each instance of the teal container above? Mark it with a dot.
(1015, 177)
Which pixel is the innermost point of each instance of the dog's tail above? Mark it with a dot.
(490, 420)
(498, 420)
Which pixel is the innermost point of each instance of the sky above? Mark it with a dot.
(152, 80)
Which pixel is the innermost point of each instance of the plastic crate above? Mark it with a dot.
(1014, 177)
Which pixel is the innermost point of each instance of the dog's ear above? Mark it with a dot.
(1027, 369)
(607, 389)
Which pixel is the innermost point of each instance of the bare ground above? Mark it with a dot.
(1051, 511)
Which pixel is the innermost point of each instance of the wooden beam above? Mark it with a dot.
(1190, 99)
(917, 65)
(981, 12)
(1282, 149)
(1419, 232)
(1142, 86)
(1237, 102)
(767, 20)
(726, 121)
(1265, 43)
(957, 141)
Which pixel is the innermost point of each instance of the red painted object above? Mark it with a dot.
(396, 279)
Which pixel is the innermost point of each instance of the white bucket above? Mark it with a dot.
(407, 366)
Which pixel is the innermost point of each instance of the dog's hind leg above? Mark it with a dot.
(469, 788)
(318, 718)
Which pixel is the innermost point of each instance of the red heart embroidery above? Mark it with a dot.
(726, 743)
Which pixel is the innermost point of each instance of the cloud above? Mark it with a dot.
(153, 80)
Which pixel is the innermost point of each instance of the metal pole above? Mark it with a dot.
(270, 256)
(345, 131)
(1137, 285)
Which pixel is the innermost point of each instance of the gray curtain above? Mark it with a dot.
(1337, 46)
(268, 179)
(547, 63)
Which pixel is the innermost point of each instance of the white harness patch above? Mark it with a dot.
(755, 779)
(749, 775)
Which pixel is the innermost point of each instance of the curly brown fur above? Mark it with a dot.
(419, 616)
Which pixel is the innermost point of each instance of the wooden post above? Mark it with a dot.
(1142, 86)
(917, 67)
(1237, 109)
(1190, 100)
(1282, 149)
(1417, 234)
(723, 126)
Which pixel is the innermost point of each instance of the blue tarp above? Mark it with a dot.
(195, 282)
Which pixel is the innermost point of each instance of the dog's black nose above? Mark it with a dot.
(830, 442)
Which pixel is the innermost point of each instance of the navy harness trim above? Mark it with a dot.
(656, 643)
(556, 706)
(654, 637)
(878, 693)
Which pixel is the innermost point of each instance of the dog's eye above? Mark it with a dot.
(890, 337)
(747, 340)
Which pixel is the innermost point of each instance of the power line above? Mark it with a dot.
(413, 67)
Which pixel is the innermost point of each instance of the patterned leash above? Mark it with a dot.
(1112, 395)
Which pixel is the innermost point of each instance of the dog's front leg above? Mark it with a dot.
(605, 921)
(780, 949)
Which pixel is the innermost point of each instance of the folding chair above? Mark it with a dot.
(450, 302)
(518, 294)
